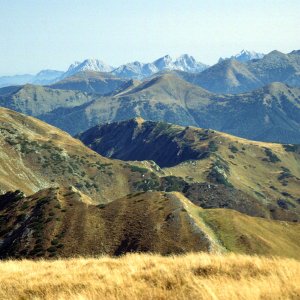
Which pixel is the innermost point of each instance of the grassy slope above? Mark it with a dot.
(236, 232)
(136, 276)
(91, 82)
(266, 172)
(64, 222)
(152, 221)
(250, 168)
(35, 100)
(35, 155)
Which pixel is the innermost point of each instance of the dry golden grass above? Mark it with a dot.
(144, 276)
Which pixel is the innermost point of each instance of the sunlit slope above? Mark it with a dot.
(35, 155)
(137, 276)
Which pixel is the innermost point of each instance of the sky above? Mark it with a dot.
(52, 34)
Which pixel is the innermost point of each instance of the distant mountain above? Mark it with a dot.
(271, 113)
(140, 70)
(164, 63)
(46, 77)
(87, 65)
(34, 100)
(232, 76)
(239, 73)
(135, 70)
(43, 77)
(15, 80)
(277, 66)
(226, 77)
(91, 82)
(245, 56)
(161, 98)
(187, 63)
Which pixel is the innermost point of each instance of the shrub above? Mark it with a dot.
(282, 203)
(291, 148)
(54, 242)
(271, 156)
(233, 149)
(138, 169)
(51, 249)
(24, 206)
(212, 146)
(284, 175)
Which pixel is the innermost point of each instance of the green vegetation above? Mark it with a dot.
(173, 183)
(233, 149)
(138, 169)
(291, 147)
(272, 157)
(219, 172)
(212, 146)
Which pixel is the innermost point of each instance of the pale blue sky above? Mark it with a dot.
(39, 34)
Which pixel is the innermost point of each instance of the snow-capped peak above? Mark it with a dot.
(244, 56)
(164, 63)
(188, 63)
(140, 70)
(74, 65)
(88, 65)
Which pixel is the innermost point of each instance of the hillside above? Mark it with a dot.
(227, 77)
(35, 100)
(35, 155)
(64, 222)
(81, 203)
(271, 113)
(267, 174)
(161, 98)
(90, 82)
(232, 76)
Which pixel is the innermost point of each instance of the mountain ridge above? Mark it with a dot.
(265, 114)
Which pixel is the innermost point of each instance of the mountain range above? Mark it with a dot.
(42, 77)
(81, 203)
(240, 73)
(233, 76)
(269, 114)
(134, 70)
(91, 82)
(137, 70)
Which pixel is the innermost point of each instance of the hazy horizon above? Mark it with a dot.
(53, 34)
